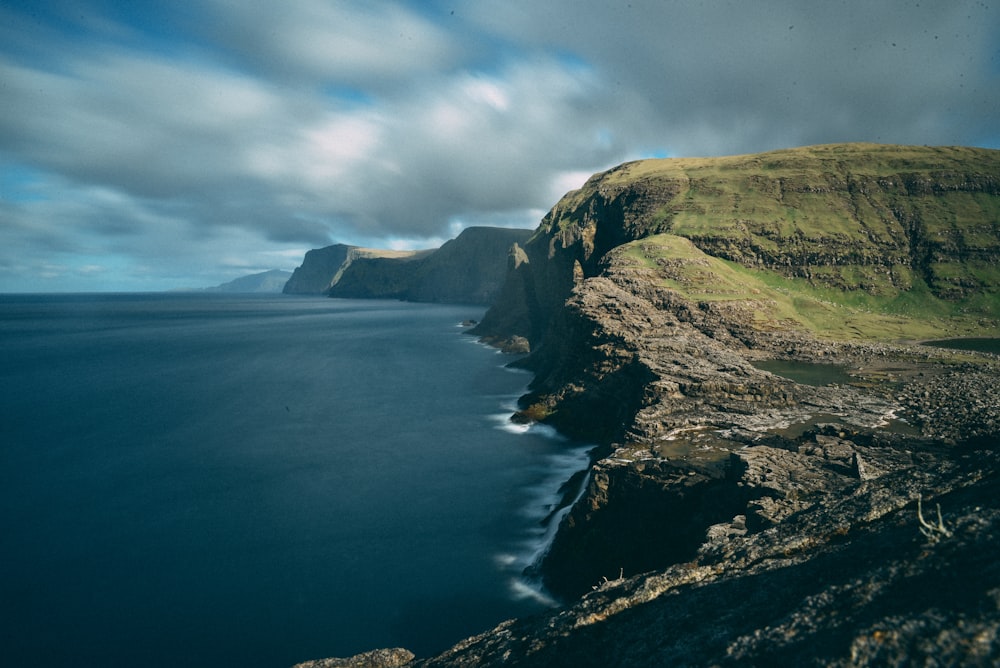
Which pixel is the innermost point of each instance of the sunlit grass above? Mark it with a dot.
(675, 263)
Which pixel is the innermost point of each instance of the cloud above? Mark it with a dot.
(731, 77)
(369, 46)
(142, 138)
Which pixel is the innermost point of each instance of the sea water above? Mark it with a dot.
(257, 481)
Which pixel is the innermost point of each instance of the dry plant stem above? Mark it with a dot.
(932, 532)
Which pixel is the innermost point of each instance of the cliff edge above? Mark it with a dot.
(469, 269)
(322, 268)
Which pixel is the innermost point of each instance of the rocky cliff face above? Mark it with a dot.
(735, 515)
(323, 268)
(318, 270)
(646, 319)
(861, 575)
(470, 268)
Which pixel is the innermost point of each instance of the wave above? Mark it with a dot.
(563, 481)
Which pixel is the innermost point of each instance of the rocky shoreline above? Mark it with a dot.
(759, 544)
(788, 534)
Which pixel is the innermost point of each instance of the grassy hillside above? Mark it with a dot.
(847, 239)
(779, 302)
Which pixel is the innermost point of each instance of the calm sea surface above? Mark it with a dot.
(191, 480)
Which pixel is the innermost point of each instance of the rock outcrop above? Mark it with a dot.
(854, 577)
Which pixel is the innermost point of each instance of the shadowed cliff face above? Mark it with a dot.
(324, 267)
(317, 271)
(470, 269)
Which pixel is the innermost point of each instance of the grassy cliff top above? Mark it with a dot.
(792, 185)
(855, 240)
(860, 158)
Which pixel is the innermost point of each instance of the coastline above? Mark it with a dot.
(547, 502)
(737, 515)
(770, 490)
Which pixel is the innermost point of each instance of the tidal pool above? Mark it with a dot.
(807, 373)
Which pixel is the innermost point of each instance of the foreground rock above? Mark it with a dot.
(379, 658)
(849, 579)
(809, 551)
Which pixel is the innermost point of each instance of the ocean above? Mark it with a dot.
(195, 479)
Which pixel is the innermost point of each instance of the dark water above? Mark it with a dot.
(806, 373)
(210, 480)
(984, 345)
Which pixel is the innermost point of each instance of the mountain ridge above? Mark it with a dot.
(470, 268)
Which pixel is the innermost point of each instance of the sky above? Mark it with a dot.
(151, 145)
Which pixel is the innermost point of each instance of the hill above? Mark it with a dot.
(896, 242)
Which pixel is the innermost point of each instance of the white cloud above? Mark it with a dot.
(269, 128)
(360, 44)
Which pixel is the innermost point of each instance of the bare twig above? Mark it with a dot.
(932, 532)
(604, 580)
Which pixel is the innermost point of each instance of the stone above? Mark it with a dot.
(379, 658)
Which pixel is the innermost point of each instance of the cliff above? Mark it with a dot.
(739, 516)
(882, 226)
(323, 267)
(272, 281)
(470, 268)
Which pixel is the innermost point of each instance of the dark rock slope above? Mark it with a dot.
(736, 516)
(853, 578)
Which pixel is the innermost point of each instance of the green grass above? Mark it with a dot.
(675, 263)
(856, 240)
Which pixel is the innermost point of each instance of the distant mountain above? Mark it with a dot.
(470, 269)
(322, 267)
(266, 282)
